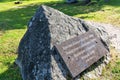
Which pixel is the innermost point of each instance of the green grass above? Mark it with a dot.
(14, 19)
(103, 12)
(8, 70)
(116, 70)
(112, 70)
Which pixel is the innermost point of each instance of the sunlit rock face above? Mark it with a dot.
(36, 56)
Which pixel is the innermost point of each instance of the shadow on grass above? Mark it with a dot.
(115, 3)
(12, 0)
(12, 73)
(6, 0)
(18, 17)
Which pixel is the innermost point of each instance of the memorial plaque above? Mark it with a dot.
(80, 52)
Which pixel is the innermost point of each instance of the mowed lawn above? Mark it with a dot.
(14, 19)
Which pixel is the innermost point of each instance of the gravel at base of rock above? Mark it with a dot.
(36, 57)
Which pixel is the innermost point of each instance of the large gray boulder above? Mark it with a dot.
(36, 57)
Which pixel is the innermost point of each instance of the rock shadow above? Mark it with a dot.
(34, 50)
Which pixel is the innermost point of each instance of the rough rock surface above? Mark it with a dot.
(113, 33)
(36, 57)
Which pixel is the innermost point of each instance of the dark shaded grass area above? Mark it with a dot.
(12, 73)
(19, 17)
